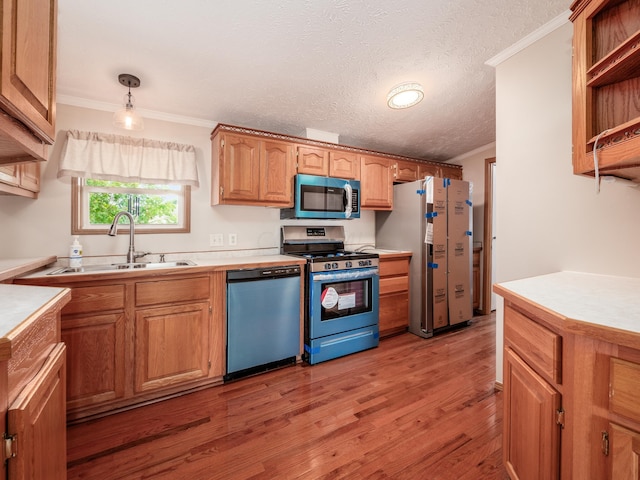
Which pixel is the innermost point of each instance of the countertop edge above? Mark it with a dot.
(202, 267)
(14, 267)
(570, 321)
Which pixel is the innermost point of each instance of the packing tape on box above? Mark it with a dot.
(420, 192)
(432, 265)
(468, 233)
(431, 215)
(468, 202)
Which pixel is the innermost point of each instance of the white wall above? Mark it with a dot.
(43, 227)
(547, 218)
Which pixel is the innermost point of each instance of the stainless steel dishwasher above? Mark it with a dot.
(263, 319)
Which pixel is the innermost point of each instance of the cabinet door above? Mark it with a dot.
(407, 171)
(451, 172)
(531, 437)
(241, 168)
(276, 173)
(376, 183)
(30, 176)
(171, 346)
(10, 174)
(624, 448)
(96, 366)
(428, 170)
(28, 74)
(344, 165)
(313, 161)
(37, 418)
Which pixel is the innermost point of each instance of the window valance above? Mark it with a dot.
(127, 159)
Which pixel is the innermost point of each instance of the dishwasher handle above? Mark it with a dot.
(256, 274)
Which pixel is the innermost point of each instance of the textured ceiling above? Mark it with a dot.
(287, 65)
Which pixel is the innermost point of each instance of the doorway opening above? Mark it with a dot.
(489, 240)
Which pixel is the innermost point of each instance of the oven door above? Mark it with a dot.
(342, 300)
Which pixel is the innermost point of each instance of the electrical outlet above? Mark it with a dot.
(216, 240)
(233, 239)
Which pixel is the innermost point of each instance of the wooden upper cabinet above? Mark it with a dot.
(429, 170)
(21, 179)
(332, 163)
(407, 171)
(249, 171)
(313, 161)
(344, 165)
(606, 81)
(241, 179)
(28, 78)
(451, 172)
(276, 173)
(376, 182)
(254, 167)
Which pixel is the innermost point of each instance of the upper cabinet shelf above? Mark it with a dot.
(606, 82)
(619, 65)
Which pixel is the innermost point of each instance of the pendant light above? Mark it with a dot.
(127, 117)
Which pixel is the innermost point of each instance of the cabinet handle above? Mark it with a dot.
(605, 444)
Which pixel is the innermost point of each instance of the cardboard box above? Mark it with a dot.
(459, 252)
(437, 306)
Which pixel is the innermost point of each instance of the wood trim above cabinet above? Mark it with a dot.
(221, 127)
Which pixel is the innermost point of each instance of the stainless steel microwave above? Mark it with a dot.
(324, 197)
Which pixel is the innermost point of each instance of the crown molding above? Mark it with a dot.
(530, 39)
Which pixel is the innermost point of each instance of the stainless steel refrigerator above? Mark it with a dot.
(432, 218)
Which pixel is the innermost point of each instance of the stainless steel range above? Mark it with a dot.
(341, 292)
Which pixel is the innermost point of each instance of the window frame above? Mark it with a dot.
(78, 207)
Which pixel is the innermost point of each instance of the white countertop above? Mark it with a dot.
(19, 302)
(603, 300)
(12, 267)
(200, 261)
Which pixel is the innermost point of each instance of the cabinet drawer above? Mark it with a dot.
(539, 346)
(394, 267)
(169, 291)
(624, 392)
(95, 299)
(394, 285)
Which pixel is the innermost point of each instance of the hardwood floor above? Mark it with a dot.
(409, 409)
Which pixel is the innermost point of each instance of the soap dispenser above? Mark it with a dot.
(75, 254)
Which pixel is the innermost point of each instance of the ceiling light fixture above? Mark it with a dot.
(127, 117)
(405, 95)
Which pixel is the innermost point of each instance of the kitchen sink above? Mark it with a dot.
(122, 266)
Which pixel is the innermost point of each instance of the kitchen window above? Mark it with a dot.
(150, 179)
(156, 208)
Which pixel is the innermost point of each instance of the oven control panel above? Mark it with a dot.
(334, 265)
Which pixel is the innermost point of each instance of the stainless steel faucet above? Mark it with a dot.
(131, 254)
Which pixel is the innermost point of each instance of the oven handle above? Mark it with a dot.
(345, 275)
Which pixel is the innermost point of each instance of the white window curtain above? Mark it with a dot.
(127, 159)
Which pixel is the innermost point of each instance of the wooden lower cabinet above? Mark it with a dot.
(531, 439)
(134, 340)
(624, 449)
(96, 358)
(32, 391)
(571, 395)
(37, 420)
(171, 346)
(394, 293)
